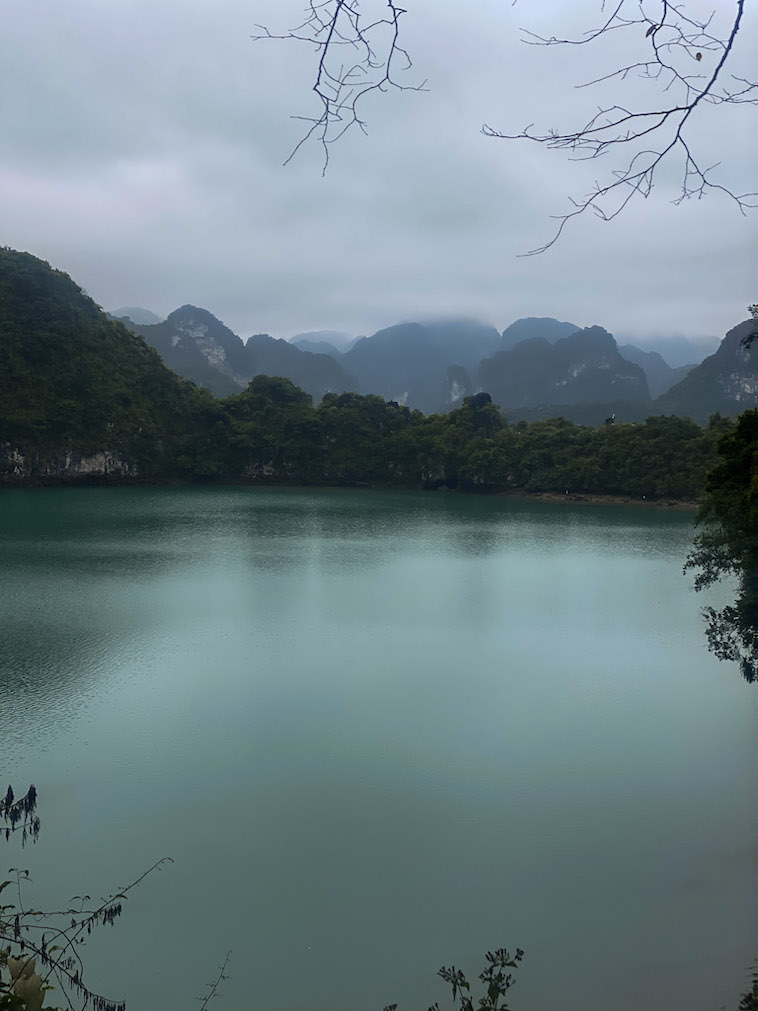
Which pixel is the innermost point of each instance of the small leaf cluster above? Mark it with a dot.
(19, 815)
(496, 979)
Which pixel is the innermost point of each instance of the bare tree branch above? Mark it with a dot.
(677, 44)
(679, 47)
(373, 60)
(54, 937)
(213, 988)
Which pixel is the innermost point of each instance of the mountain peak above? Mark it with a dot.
(584, 367)
(535, 326)
(726, 382)
(136, 314)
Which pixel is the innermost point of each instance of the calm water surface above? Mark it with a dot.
(378, 733)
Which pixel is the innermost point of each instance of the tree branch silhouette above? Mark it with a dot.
(355, 56)
(685, 59)
(678, 46)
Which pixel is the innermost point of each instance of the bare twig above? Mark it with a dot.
(373, 60)
(677, 43)
(679, 47)
(54, 938)
(213, 987)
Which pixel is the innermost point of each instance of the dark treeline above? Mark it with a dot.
(272, 431)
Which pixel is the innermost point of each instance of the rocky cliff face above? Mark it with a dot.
(726, 382)
(458, 385)
(199, 347)
(62, 467)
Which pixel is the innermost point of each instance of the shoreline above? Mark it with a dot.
(552, 497)
(573, 498)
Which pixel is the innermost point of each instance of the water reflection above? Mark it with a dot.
(417, 726)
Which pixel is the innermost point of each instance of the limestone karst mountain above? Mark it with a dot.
(198, 346)
(318, 348)
(335, 339)
(660, 375)
(409, 362)
(315, 373)
(539, 366)
(583, 368)
(676, 350)
(136, 314)
(726, 382)
(535, 326)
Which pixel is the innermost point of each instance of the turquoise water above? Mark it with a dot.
(378, 733)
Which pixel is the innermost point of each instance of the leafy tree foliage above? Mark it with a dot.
(727, 544)
(72, 377)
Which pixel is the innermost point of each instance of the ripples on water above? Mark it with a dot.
(379, 733)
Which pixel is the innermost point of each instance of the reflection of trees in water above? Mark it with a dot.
(727, 545)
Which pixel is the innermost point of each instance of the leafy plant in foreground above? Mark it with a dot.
(495, 977)
(42, 948)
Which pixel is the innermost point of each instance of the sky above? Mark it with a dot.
(142, 146)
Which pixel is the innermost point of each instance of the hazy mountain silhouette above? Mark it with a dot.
(136, 314)
(410, 362)
(583, 368)
(317, 374)
(660, 375)
(197, 345)
(727, 381)
(535, 326)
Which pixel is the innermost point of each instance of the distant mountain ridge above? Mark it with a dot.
(410, 363)
(535, 326)
(677, 351)
(199, 347)
(336, 339)
(583, 368)
(315, 373)
(136, 314)
(660, 375)
(196, 345)
(726, 382)
(538, 366)
(83, 399)
(317, 348)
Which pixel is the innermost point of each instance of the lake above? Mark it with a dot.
(378, 733)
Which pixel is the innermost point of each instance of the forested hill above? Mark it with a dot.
(72, 379)
(84, 398)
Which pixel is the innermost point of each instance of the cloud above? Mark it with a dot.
(142, 149)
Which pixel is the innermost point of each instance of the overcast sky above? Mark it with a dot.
(141, 151)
